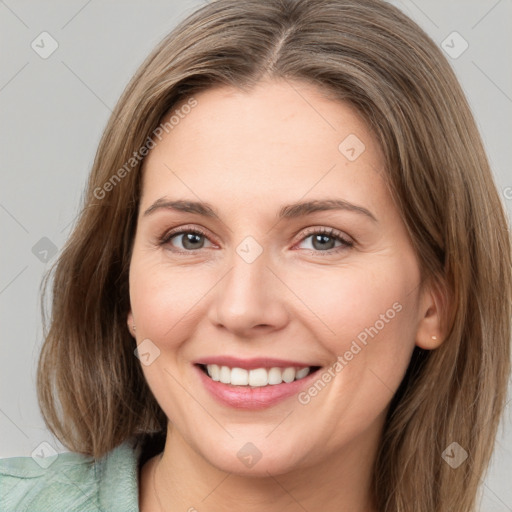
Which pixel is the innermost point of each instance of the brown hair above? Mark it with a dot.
(91, 389)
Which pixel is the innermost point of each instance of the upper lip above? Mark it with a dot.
(250, 364)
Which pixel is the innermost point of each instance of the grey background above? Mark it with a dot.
(52, 115)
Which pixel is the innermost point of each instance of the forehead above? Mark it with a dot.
(280, 139)
(292, 113)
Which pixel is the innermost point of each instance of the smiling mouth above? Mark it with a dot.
(257, 377)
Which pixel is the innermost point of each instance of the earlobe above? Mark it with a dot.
(131, 323)
(430, 334)
(429, 344)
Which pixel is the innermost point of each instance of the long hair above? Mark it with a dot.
(91, 388)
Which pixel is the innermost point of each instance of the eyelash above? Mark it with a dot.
(330, 232)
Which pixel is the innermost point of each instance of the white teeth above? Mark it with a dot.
(213, 371)
(225, 375)
(275, 376)
(289, 374)
(258, 377)
(239, 377)
(302, 373)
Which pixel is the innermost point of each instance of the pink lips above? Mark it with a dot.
(247, 397)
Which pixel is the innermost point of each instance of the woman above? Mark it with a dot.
(290, 283)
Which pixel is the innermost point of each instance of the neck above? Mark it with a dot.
(185, 481)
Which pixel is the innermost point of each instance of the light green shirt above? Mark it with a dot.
(72, 482)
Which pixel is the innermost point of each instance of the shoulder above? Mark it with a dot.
(71, 481)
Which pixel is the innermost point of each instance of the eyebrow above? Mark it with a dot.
(290, 211)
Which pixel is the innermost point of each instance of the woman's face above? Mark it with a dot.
(270, 284)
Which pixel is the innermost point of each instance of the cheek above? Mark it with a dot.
(167, 300)
(166, 304)
(368, 323)
(356, 302)
(366, 318)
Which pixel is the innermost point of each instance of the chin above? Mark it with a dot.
(253, 459)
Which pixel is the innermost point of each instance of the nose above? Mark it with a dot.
(250, 298)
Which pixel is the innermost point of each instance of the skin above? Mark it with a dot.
(248, 154)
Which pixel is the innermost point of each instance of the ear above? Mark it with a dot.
(433, 313)
(130, 323)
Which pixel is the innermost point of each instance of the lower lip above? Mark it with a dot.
(246, 397)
